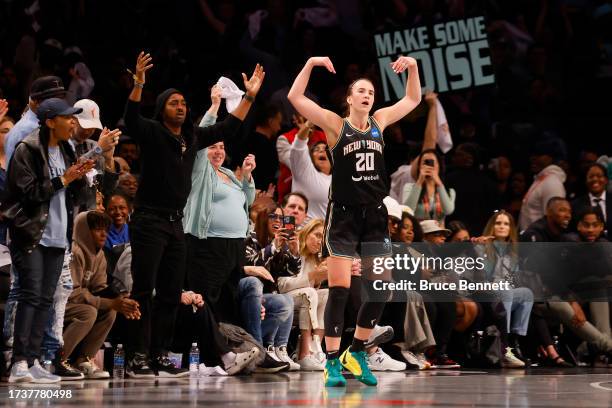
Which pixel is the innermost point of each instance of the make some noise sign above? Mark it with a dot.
(452, 55)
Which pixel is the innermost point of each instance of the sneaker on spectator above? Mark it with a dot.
(317, 350)
(20, 373)
(380, 361)
(311, 363)
(270, 351)
(271, 365)
(412, 360)
(442, 361)
(509, 360)
(379, 335)
(165, 368)
(281, 353)
(66, 371)
(92, 371)
(42, 376)
(138, 367)
(242, 360)
(423, 361)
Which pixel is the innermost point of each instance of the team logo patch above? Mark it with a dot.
(375, 133)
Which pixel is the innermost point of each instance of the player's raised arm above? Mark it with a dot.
(327, 120)
(404, 106)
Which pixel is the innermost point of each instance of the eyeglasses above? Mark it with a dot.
(273, 217)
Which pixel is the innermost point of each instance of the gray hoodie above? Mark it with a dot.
(546, 184)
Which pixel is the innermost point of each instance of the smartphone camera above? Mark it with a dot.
(289, 225)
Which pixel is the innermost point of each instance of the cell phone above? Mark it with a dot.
(289, 225)
(428, 162)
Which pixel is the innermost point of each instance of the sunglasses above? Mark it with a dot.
(274, 217)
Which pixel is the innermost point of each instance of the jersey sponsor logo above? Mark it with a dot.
(375, 132)
(350, 134)
(366, 178)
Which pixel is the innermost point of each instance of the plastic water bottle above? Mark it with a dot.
(194, 360)
(118, 362)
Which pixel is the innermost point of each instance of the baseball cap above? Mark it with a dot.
(90, 117)
(52, 107)
(47, 87)
(431, 226)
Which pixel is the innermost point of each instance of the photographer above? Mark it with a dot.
(428, 196)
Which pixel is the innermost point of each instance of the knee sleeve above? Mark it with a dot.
(369, 314)
(334, 311)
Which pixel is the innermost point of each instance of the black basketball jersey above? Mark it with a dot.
(358, 172)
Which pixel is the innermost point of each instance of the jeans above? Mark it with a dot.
(52, 339)
(39, 270)
(517, 303)
(10, 309)
(158, 264)
(275, 328)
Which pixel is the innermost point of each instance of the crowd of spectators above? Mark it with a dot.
(241, 197)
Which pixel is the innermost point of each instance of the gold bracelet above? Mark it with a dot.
(137, 83)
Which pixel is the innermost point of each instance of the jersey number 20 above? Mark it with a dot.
(365, 161)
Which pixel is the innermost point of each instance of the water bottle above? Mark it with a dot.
(118, 362)
(194, 360)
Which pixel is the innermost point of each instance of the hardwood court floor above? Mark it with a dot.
(441, 388)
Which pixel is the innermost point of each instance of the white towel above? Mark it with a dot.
(230, 92)
(443, 140)
(215, 371)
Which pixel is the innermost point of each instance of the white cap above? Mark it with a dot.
(430, 226)
(406, 209)
(393, 207)
(90, 116)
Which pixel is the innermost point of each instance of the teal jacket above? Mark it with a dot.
(204, 180)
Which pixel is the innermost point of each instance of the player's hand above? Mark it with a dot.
(322, 62)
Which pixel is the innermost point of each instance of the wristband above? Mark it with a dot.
(139, 85)
(249, 98)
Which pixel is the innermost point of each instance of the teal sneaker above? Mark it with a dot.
(333, 374)
(357, 364)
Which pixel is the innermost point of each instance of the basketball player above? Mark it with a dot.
(356, 214)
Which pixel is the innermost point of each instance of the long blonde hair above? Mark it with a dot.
(307, 230)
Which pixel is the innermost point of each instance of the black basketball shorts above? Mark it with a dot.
(356, 230)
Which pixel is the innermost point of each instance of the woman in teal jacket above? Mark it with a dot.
(216, 224)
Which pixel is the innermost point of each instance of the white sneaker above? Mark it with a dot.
(92, 371)
(379, 335)
(413, 361)
(42, 376)
(510, 360)
(20, 373)
(423, 361)
(242, 360)
(317, 351)
(311, 363)
(380, 361)
(271, 353)
(281, 353)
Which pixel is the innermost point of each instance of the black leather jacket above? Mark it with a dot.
(30, 186)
